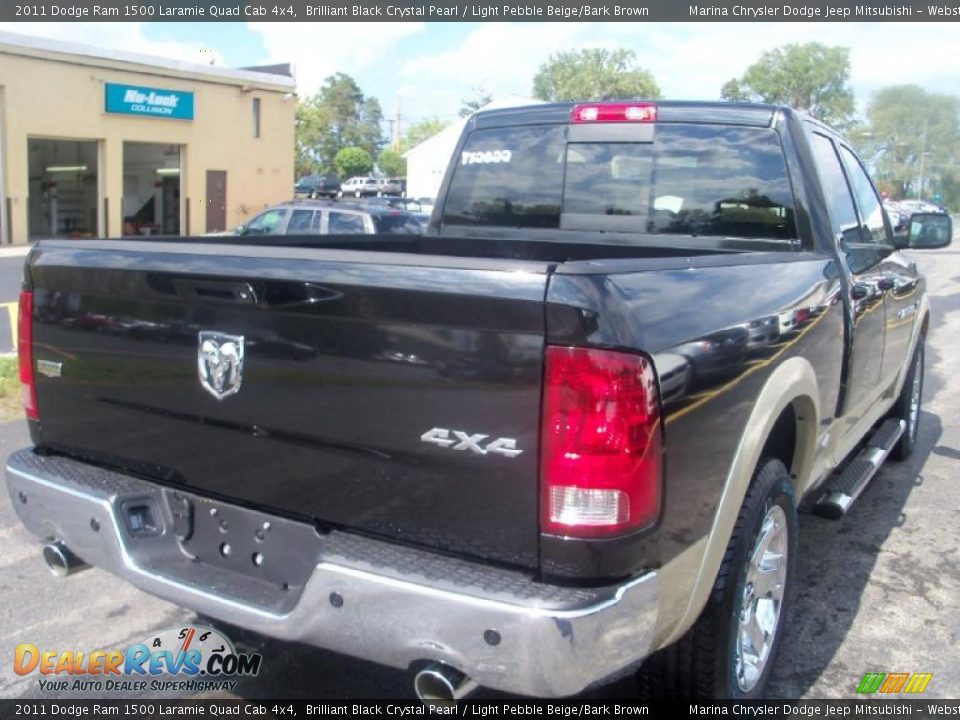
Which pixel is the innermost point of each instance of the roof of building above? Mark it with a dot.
(80, 54)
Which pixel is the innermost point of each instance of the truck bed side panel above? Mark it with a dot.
(715, 335)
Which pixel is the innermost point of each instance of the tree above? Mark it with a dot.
(392, 163)
(480, 99)
(810, 77)
(420, 131)
(352, 161)
(306, 132)
(336, 117)
(593, 74)
(908, 129)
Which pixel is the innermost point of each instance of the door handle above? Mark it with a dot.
(886, 283)
(217, 291)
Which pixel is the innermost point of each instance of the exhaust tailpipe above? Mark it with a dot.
(442, 685)
(61, 560)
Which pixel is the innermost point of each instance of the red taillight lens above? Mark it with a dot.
(614, 113)
(25, 354)
(600, 443)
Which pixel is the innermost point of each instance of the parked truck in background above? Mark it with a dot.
(561, 435)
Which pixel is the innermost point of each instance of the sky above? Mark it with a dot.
(430, 68)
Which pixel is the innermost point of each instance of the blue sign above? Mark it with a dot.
(151, 102)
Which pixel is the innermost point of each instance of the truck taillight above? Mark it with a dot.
(25, 355)
(614, 112)
(600, 443)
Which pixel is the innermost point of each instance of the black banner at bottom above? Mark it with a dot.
(240, 708)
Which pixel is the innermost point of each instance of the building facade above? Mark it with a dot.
(96, 143)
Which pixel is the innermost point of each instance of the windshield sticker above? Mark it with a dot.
(485, 157)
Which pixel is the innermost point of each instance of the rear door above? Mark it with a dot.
(865, 263)
(371, 386)
(900, 280)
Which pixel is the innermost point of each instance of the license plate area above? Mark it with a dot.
(276, 550)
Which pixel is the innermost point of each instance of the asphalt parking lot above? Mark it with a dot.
(879, 589)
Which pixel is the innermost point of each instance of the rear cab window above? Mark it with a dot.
(692, 180)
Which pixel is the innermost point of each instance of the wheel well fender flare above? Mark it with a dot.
(792, 383)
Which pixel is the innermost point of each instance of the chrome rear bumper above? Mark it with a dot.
(362, 597)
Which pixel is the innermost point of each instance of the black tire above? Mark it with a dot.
(903, 407)
(702, 665)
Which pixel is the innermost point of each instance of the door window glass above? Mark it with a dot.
(267, 223)
(300, 222)
(873, 230)
(342, 223)
(843, 215)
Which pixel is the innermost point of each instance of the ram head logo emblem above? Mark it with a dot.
(220, 363)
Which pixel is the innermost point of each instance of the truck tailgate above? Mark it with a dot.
(373, 391)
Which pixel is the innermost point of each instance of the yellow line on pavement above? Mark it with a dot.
(12, 312)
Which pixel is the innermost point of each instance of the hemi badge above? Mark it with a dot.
(50, 368)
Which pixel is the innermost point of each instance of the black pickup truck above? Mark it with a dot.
(561, 435)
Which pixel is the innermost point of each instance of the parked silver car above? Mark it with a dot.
(306, 217)
(360, 187)
(388, 187)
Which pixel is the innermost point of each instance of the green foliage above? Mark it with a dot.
(352, 161)
(810, 77)
(593, 74)
(11, 395)
(908, 127)
(338, 116)
(420, 131)
(480, 98)
(392, 163)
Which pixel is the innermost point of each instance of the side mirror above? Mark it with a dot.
(930, 230)
(240, 229)
(901, 239)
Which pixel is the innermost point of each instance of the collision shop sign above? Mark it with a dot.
(152, 102)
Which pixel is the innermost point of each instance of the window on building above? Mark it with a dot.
(256, 117)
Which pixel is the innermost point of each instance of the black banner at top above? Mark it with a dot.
(471, 10)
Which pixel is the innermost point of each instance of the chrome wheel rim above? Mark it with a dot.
(915, 392)
(762, 599)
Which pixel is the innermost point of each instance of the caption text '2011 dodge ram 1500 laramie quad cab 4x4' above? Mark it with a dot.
(565, 429)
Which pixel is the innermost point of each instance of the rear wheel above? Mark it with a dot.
(730, 651)
(907, 406)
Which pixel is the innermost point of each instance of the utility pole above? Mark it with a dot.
(396, 138)
(923, 154)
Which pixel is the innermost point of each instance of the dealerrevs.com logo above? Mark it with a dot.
(194, 657)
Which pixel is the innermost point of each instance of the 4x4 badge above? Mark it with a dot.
(220, 363)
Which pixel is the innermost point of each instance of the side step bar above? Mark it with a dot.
(844, 487)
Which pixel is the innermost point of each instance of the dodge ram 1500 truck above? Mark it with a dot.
(560, 436)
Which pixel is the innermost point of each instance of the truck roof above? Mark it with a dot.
(672, 111)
